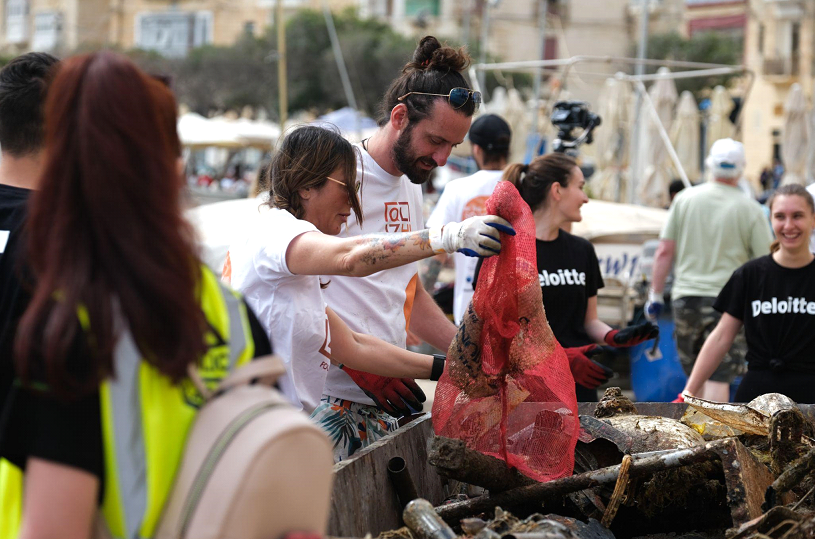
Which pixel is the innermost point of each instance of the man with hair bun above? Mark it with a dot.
(712, 229)
(425, 113)
(490, 137)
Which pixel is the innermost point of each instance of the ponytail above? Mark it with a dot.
(513, 173)
(534, 180)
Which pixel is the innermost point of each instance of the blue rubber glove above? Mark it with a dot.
(654, 306)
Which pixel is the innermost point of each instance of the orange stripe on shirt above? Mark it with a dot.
(410, 295)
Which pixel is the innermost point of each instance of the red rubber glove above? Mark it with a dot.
(587, 372)
(679, 398)
(631, 335)
(392, 395)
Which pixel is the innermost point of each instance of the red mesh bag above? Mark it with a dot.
(507, 390)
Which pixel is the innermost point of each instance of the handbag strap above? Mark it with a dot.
(266, 369)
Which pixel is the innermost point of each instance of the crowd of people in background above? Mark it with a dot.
(105, 305)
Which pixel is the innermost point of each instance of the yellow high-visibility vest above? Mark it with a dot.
(146, 419)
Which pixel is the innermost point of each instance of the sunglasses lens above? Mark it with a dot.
(476, 100)
(458, 97)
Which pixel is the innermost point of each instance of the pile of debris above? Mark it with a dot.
(723, 470)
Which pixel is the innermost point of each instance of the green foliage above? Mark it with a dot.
(707, 47)
(215, 78)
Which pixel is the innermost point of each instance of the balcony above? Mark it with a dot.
(783, 68)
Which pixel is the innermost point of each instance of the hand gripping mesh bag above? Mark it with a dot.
(507, 390)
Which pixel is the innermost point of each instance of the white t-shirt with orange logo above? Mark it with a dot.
(379, 304)
(290, 307)
(461, 199)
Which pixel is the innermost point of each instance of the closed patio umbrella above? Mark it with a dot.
(718, 121)
(795, 138)
(612, 141)
(685, 135)
(655, 176)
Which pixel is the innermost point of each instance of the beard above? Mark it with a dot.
(407, 161)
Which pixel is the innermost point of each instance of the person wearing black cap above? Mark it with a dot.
(490, 137)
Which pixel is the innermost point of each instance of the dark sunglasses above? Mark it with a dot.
(356, 184)
(457, 97)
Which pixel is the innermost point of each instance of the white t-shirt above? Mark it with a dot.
(290, 307)
(379, 304)
(461, 199)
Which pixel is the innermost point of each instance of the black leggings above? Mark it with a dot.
(799, 386)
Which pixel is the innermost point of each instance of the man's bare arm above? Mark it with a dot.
(429, 323)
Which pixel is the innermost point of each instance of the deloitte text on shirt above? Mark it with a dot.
(790, 305)
(562, 278)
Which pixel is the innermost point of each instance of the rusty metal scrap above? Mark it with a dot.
(619, 492)
(539, 492)
(792, 477)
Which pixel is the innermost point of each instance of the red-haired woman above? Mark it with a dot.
(122, 308)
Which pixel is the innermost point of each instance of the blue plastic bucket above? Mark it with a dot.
(657, 376)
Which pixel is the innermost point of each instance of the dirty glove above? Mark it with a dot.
(392, 395)
(631, 335)
(587, 372)
(476, 236)
(681, 397)
(654, 305)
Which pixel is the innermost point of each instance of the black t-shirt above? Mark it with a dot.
(14, 297)
(569, 274)
(35, 424)
(777, 307)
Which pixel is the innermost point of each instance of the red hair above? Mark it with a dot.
(105, 230)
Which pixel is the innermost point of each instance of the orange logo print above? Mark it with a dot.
(226, 272)
(397, 217)
(474, 207)
(325, 349)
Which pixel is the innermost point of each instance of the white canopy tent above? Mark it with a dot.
(195, 131)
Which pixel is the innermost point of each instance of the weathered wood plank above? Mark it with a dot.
(364, 500)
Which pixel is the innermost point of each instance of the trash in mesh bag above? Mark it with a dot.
(507, 390)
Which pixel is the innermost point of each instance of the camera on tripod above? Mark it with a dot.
(568, 116)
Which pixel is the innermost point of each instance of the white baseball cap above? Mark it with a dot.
(726, 158)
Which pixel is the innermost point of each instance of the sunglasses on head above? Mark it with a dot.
(457, 97)
(356, 184)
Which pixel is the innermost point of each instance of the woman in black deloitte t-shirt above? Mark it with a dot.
(568, 270)
(774, 298)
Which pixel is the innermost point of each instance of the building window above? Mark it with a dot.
(16, 21)
(415, 8)
(47, 31)
(173, 33)
(795, 38)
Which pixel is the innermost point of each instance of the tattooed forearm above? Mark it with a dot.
(429, 273)
(422, 239)
(378, 247)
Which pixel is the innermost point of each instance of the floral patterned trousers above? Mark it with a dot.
(351, 426)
